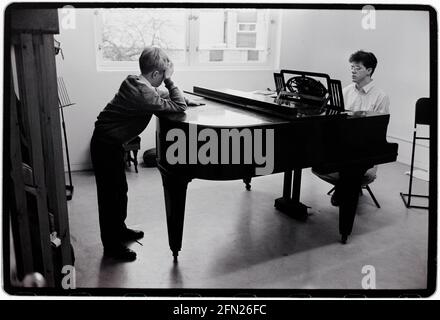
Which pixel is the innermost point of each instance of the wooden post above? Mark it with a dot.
(28, 85)
(43, 193)
(52, 144)
(18, 211)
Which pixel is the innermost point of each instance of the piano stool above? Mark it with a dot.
(368, 178)
(132, 146)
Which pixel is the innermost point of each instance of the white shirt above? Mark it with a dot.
(367, 98)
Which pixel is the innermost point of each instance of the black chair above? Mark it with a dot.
(368, 178)
(132, 146)
(423, 116)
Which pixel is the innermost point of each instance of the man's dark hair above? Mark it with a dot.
(368, 59)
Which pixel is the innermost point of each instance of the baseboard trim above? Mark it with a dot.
(421, 160)
(418, 144)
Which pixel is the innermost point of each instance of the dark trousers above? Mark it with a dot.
(111, 183)
(348, 189)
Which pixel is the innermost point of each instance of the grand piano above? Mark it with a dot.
(345, 142)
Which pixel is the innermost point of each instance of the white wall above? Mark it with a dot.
(318, 40)
(322, 41)
(92, 90)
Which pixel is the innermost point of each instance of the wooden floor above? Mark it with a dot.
(235, 238)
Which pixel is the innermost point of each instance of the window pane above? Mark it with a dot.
(252, 55)
(246, 27)
(232, 32)
(216, 55)
(212, 31)
(125, 32)
(246, 40)
(247, 16)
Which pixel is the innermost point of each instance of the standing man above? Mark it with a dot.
(124, 118)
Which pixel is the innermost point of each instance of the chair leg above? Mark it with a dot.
(412, 166)
(127, 158)
(331, 190)
(372, 196)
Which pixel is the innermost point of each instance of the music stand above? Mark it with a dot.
(280, 85)
(304, 89)
(64, 101)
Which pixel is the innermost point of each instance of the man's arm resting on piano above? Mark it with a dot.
(163, 92)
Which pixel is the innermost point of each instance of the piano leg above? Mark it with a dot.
(348, 190)
(175, 196)
(289, 204)
(247, 182)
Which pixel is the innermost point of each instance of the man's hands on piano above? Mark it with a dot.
(193, 103)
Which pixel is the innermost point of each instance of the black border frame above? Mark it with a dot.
(233, 293)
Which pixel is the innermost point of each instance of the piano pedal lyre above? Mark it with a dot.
(293, 209)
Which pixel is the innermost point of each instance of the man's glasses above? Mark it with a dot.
(356, 67)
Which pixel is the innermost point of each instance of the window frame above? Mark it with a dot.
(192, 36)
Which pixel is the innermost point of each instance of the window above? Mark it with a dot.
(123, 33)
(192, 38)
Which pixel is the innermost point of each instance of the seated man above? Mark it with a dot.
(361, 95)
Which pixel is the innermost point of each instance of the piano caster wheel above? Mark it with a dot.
(344, 239)
(175, 254)
(247, 182)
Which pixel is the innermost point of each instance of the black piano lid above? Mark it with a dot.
(218, 114)
(234, 108)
